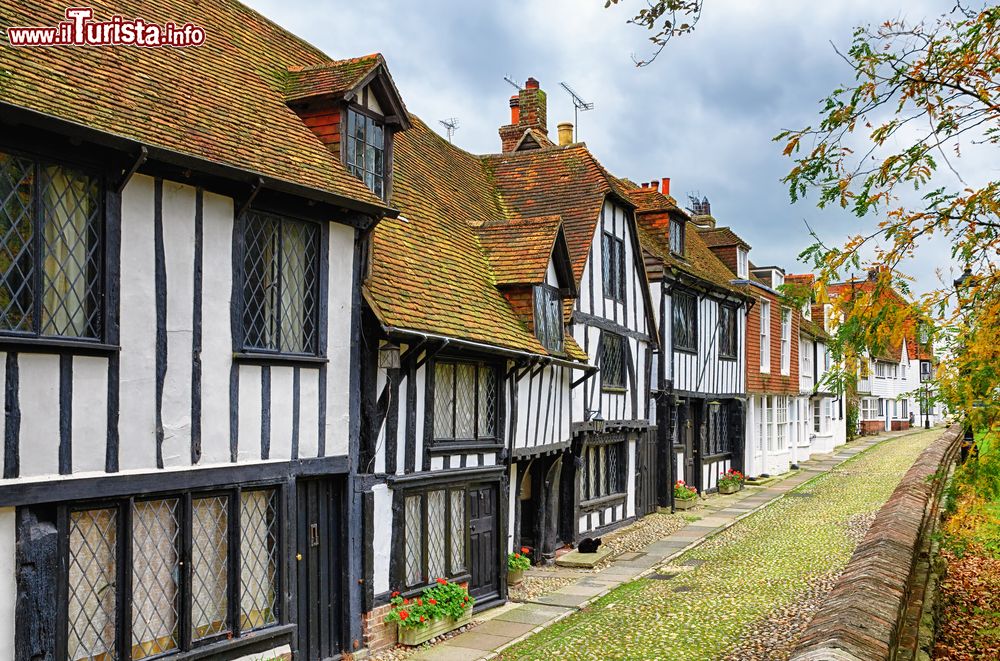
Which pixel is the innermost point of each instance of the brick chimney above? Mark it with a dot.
(528, 111)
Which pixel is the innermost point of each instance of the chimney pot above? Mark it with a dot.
(515, 109)
(666, 186)
(565, 133)
(531, 84)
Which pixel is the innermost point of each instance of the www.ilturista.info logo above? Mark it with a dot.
(79, 29)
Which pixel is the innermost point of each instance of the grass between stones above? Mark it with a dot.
(757, 566)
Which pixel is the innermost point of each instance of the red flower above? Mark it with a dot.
(395, 594)
(421, 618)
(525, 549)
(517, 555)
(442, 581)
(432, 602)
(406, 601)
(420, 602)
(403, 615)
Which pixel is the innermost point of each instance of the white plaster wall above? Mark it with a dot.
(338, 376)
(137, 370)
(420, 382)
(308, 413)
(511, 504)
(38, 395)
(90, 419)
(630, 480)
(248, 442)
(216, 327)
(282, 410)
(381, 537)
(8, 582)
(178, 250)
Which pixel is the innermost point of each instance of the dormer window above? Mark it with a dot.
(548, 318)
(777, 278)
(677, 236)
(742, 264)
(365, 150)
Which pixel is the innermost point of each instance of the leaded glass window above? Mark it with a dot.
(92, 586)
(179, 552)
(434, 536)
(366, 150)
(605, 462)
(677, 236)
(728, 340)
(465, 401)
(613, 251)
(280, 284)
(51, 256)
(612, 360)
(548, 318)
(685, 321)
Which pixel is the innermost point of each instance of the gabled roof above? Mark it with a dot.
(335, 78)
(430, 271)
(221, 102)
(520, 251)
(717, 237)
(654, 212)
(565, 181)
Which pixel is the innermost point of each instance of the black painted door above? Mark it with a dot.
(318, 566)
(646, 472)
(484, 530)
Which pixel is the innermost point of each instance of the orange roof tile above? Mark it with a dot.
(330, 78)
(221, 102)
(715, 237)
(520, 251)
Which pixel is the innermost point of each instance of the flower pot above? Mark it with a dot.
(685, 503)
(515, 576)
(729, 488)
(413, 636)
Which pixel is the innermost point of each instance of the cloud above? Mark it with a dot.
(703, 113)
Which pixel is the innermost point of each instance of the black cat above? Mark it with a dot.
(588, 545)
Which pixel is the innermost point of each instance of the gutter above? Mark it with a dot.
(480, 346)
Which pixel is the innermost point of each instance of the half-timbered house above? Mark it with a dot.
(180, 255)
(594, 462)
(700, 373)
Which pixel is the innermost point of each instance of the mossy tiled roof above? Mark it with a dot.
(221, 102)
(520, 251)
(330, 78)
(430, 270)
(721, 236)
(653, 215)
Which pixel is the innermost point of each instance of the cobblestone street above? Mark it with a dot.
(745, 593)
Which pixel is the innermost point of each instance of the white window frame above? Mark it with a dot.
(742, 263)
(765, 336)
(786, 341)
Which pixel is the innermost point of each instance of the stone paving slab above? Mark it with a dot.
(448, 652)
(533, 614)
(562, 599)
(480, 641)
(505, 628)
(580, 590)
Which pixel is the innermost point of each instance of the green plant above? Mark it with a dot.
(731, 478)
(853, 417)
(519, 561)
(684, 492)
(443, 599)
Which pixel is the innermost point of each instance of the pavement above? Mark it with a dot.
(513, 622)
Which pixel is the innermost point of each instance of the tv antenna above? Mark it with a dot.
(450, 125)
(510, 79)
(578, 105)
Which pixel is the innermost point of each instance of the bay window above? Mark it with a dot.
(605, 461)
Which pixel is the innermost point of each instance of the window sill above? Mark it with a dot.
(56, 345)
(730, 358)
(602, 502)
(693, 352)
(250, 358)
(250, 643)
(447, 447)
(614, 390)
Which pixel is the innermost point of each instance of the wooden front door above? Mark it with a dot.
(484, 530)
(647, 469)
(318, 566)
(689, 424)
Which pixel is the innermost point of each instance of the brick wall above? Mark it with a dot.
(377, 634)
(727, 255)
(325, 123)
(869, 614)
(773, 382)
(522, 300)
(872, 426)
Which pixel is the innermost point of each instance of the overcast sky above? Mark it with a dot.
(702, 114)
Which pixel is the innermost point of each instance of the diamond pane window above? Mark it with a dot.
(684, 321)
(280, 284)
(155, 577)
(465, 401)
(259, 551)
(209, 566)
(414, 536)
(613, 262)
(548, 317)
(457, 515)
(612, 360)
(92, 588)
(436, 521)
(366, 151)
(604, 466)
(51, 257)
(728, 340)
